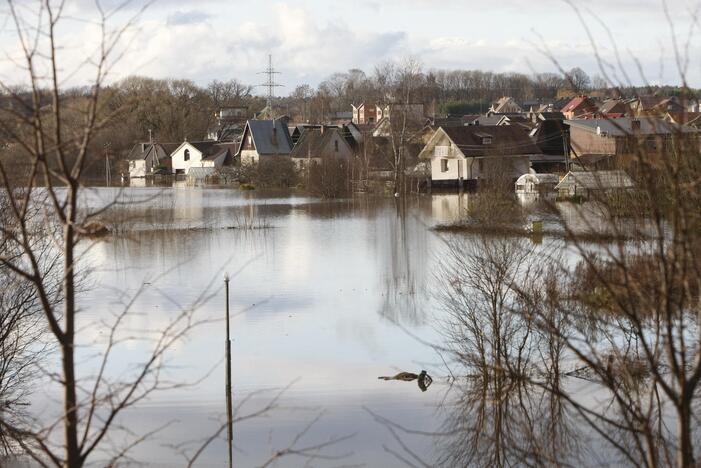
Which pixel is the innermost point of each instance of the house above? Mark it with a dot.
(147, 158)
(505, 105)
(412, 111)
(365, 114)
(551, 136)
(453, 120)
(692, 119)
(584, 183)
(264, 139)
(614, 108)
(595, 143)
(210, 154)
(578, 107)
(319, 144)
(466, 154)
(536, 184)
(655, 106)
(228, 124)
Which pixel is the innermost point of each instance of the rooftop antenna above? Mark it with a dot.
(270, 84)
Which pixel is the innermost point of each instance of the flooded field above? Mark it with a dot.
(326, 296)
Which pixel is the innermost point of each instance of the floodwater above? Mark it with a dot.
(326, 295)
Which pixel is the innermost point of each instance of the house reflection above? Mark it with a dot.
(449, 208)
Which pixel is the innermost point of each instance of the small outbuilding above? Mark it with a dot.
(576, 183)
(536, 184)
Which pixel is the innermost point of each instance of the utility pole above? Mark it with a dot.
(270, 83)
(229, 409)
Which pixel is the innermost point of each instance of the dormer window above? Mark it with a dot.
(187, 155)
(487, 140)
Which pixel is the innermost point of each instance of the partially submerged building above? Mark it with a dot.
(198, 154)
(584, 183)
(464, 155)
(319, 144)
(536, 184)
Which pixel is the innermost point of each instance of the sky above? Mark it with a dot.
(311, 39)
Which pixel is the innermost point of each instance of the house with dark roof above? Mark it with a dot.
(319, 144)
(464, 155)
(551, 136)
(614, 109)
(264, 139)
(579, 107)
(598, 143)
(655, 106)
(147, 158)
(207, 154)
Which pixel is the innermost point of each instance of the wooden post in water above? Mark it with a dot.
(229, 410)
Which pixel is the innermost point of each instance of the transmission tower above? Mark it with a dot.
(270, 84)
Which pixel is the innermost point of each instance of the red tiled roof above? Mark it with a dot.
(579, 102)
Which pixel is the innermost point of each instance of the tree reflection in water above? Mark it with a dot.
(500, 416)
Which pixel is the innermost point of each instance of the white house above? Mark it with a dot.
(200, 154)
(469, 153)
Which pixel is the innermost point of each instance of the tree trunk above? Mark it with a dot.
(685, 449)
(72, 459)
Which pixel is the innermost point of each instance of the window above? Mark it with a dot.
(444, 165)
(335, 146)
(187, 155)
(480, 164)
(487, 141)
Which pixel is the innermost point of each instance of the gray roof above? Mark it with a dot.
(596, 180)
(488, 120)
(200, 172)
(267, 141)
(624, 126)
(144, 150)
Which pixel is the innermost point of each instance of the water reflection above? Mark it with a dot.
(319, 293)
(315, 302)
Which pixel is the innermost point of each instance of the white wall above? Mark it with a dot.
(249, 157)
(137, 168)
(179, 162)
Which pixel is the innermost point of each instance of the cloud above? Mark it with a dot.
(187, 17)
(311, 39)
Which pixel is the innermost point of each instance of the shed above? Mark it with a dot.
(197, 174)
(585, 182)
(536, 184)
